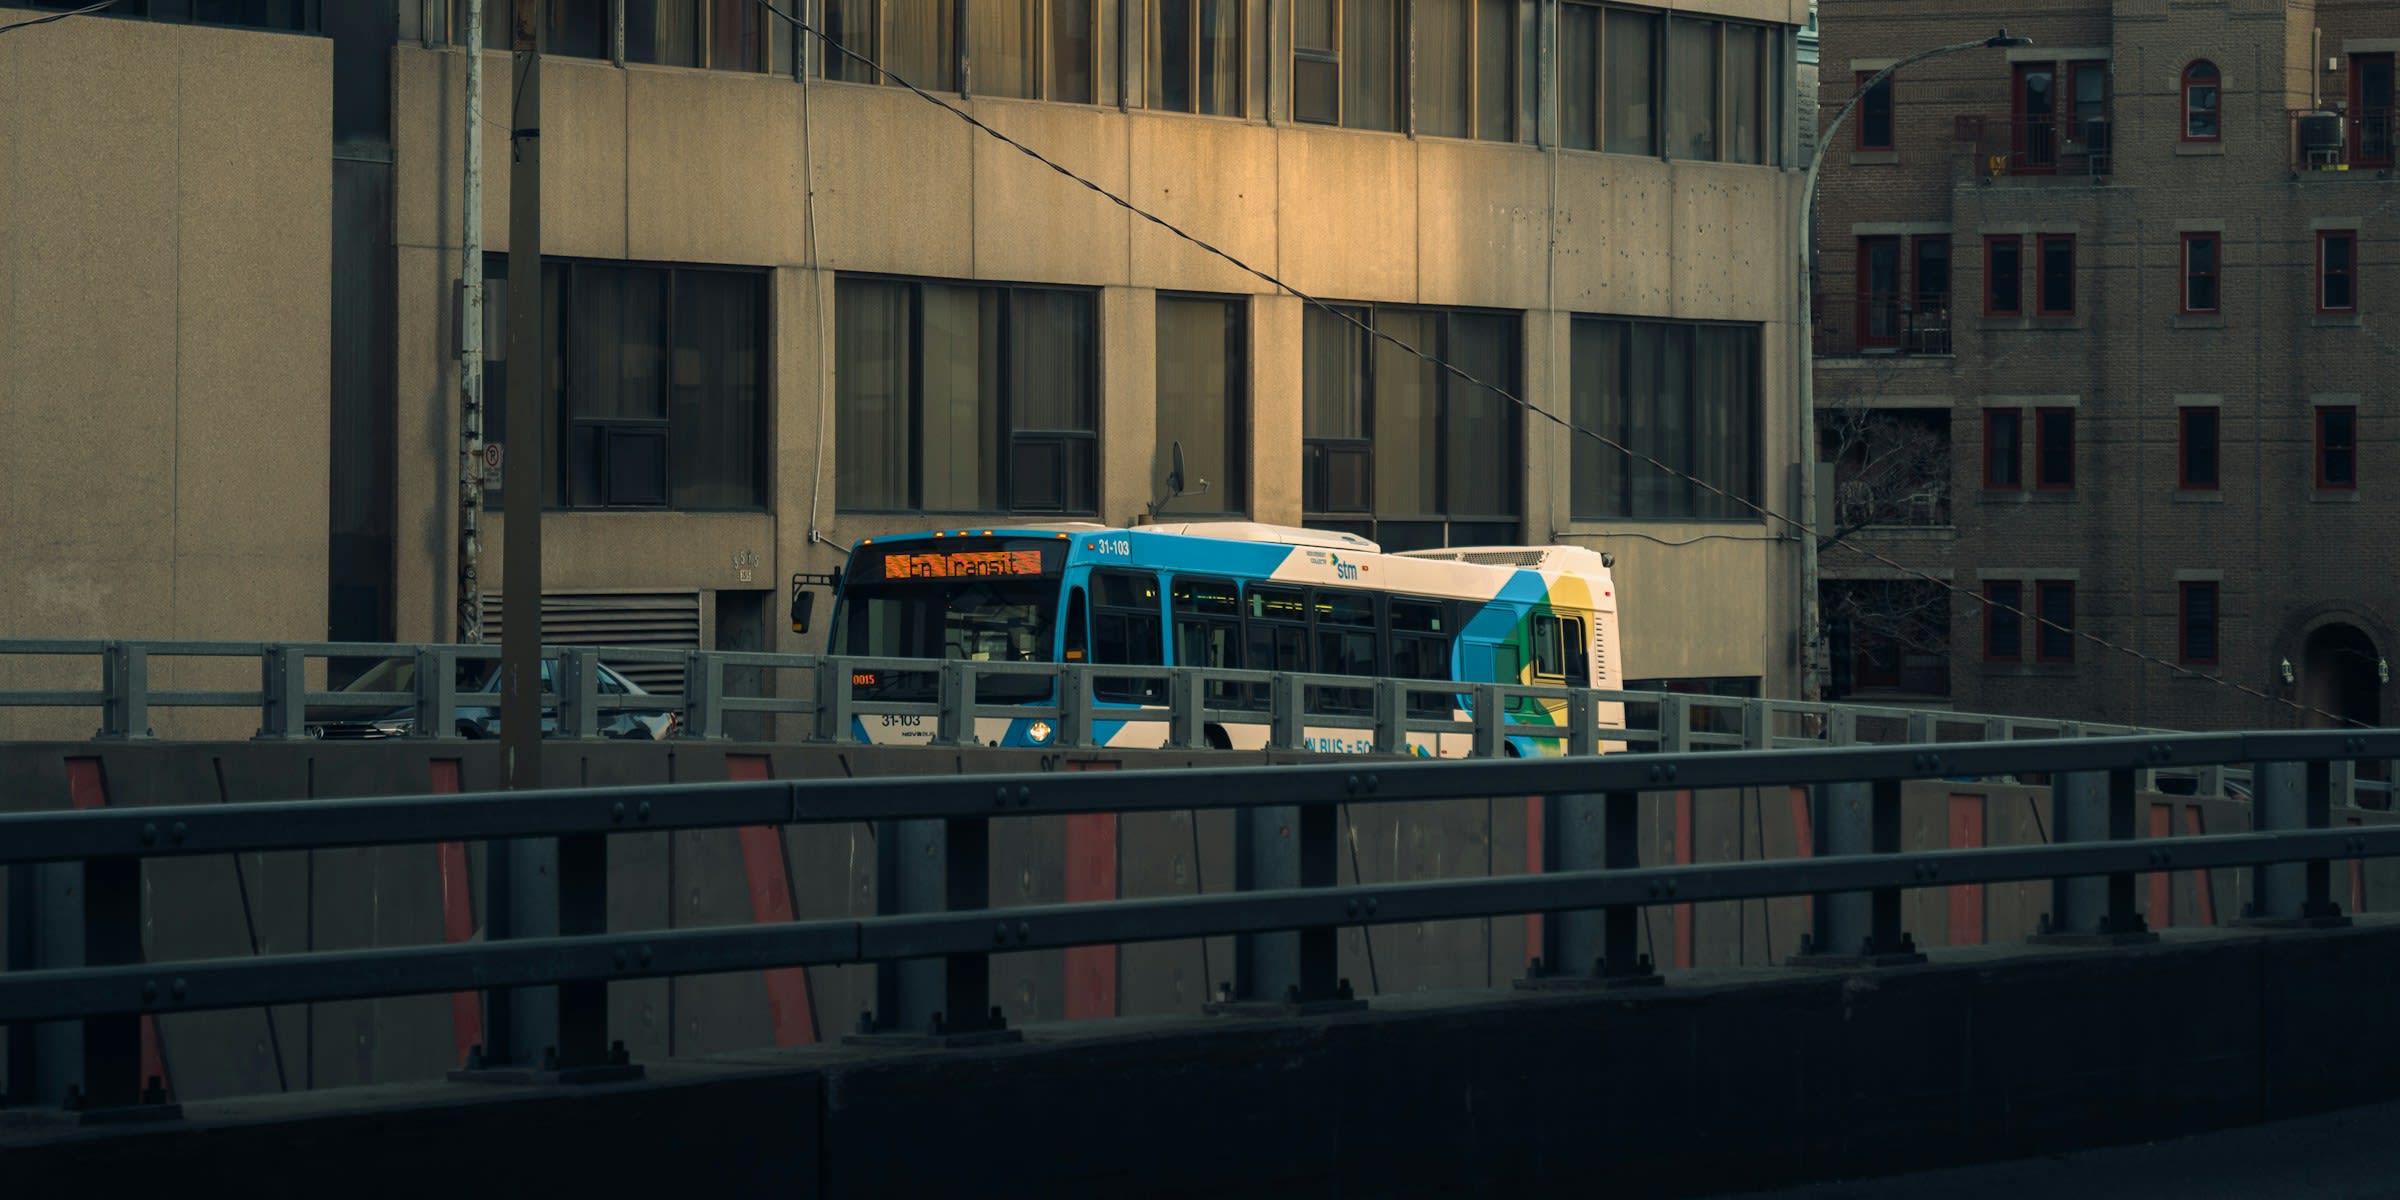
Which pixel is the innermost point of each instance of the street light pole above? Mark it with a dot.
(1812, 633)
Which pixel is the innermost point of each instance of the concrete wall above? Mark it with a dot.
(165, 282)
(663, 164)
(1741, 1080)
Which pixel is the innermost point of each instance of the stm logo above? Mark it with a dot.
(1342, 570)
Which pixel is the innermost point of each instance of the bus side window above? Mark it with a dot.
(1549, 661)
(1077, 645)
(1421, 650)
(1126, 628)
(1277, 633)
(1579, 651)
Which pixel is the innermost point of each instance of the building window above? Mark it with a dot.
(1033, 49)
(2372, 110)
(2003, 621)
(1196, 57)
(915, 40)
(965, 399)
(2053, 448)
(2196, 457)
(657, 398)
(2003, 276)
(1466, 68)
(1203, 376)
(1875, 114)
(1684, 394)
(567, 29)
(2337, 271)
(2337, 447)
(1932, 277)
(1399, 450)
(2200, 266)
(2033, 124)
(2054, 602)
(1719, 78)
(2201, 102)
(2056, 297)
(2088, 83)
(1878, 291)
(1347, 64)
(2196, 625)
(2003, 434)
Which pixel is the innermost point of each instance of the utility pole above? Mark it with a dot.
(470, 348)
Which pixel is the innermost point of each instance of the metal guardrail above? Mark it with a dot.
(932, 935)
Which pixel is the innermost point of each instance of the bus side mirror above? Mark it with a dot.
(804, 605)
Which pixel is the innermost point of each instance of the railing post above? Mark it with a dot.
(1857, 929)
(704, 695)
(1490, 721)
(2289, 795)
(1391, 716)
(1920, 729)
(933, 866)
(283, 693)
(1758, 725)
(1674, 724)
(954, 723)
(86, 914)
(578, 693)
(1288, 714)
(125, 692)
(1187, 703)
(2094, 806)
(1074, 707)
(1297, 971)
(1592, 947)
(437, 693)
(834, 688)
(1583, 723)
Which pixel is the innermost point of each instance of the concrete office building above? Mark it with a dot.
(2103, 330)
(791, 305)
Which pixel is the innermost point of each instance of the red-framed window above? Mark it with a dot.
(2053, 449)
(2196, 624)
(1879, 291)
(2196, 449)
(2054, 604)
(2055, 291)
(1875, 114)
(2337, 270)
(2003, 276)
(2203, 255)
(2373, 108)
(2337, 447)
(2203, 102)
(2003, 621)
(2003, 446)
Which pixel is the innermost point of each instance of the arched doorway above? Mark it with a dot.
(2340, 674)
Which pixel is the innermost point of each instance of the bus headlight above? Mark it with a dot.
(1039, 731)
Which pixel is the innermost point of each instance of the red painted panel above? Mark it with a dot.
(2203, 884)
(1091, 983)
(2162, 883)
(87, 787)
(2358, 881)
(1966, 899)
(1533, 866)
(458, 918)
(1685, 951)
(788, 1006)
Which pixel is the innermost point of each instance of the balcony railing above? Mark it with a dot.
(2046, 146)
(1880, 323)
(2325, 140)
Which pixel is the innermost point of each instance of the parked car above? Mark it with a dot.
(478, 705)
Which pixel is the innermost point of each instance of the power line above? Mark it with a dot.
(1800, 528)
(89, 8)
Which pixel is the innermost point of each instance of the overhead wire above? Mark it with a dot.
(1344, 313)
(87, 9)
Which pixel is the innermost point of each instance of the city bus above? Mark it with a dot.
(1234, 595)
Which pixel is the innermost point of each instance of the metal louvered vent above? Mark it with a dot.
(668, 620)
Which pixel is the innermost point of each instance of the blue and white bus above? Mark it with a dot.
(1231, 595)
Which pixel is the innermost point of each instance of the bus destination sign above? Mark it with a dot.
(962, 564)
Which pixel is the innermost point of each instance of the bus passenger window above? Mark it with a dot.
(1579, 651)
(1549, 661)
(1126, 628)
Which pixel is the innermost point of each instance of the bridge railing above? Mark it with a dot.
(75, 1025)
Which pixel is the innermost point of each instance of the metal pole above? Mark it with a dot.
(470, 347)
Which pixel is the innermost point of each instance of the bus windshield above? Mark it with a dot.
(977, 620)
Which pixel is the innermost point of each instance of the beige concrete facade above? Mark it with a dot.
(165, 208)
(164, 274)
(666, 165)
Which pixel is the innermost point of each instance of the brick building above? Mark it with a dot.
(2105, 329)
